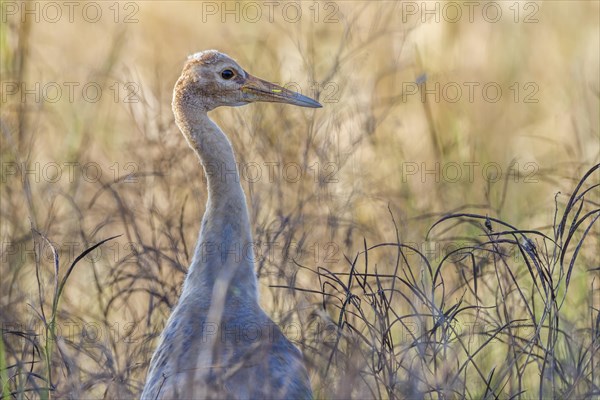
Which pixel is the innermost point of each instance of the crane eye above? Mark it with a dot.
(227, 74)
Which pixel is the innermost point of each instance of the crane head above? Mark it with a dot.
(212, 79)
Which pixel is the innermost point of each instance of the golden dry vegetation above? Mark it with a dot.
(423, 235)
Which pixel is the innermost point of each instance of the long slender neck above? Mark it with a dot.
(224, 251)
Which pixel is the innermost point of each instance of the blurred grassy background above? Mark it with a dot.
(394, 138)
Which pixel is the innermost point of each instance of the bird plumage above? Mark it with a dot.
(218, 342)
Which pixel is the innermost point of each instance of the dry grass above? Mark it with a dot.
(395, 276)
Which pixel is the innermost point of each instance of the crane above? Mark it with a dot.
(218, 342)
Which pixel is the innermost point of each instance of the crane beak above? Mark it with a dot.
(255, 89)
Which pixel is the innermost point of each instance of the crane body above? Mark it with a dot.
(218, 342)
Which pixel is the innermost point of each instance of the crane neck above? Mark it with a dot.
(224, 256)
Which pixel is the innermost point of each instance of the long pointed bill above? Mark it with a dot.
(256, 89)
